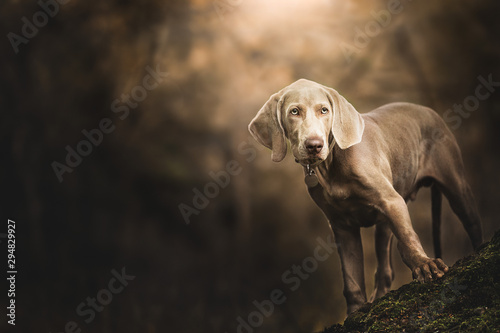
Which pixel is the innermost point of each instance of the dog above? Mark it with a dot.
(362, 169)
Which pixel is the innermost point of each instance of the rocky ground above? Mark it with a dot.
(466, 299)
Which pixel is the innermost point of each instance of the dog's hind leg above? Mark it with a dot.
(385, 274)
(436, 199)
(462, 203)
(450, 180)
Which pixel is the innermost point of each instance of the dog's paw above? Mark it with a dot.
(429, 270)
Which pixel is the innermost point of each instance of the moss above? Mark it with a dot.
(466, 299)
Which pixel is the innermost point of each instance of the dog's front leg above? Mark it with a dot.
(423, 268)
(350, 250)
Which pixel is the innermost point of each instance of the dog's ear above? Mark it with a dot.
(348, 125)
(267, 128)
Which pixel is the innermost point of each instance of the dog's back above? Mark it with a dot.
(416, 140)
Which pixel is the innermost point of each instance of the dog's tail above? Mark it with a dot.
(436, 200)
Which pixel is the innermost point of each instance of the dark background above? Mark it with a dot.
(119, 207)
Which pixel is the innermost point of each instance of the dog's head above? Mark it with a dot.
(313, 117)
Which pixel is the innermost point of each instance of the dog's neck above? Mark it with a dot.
(323, 171)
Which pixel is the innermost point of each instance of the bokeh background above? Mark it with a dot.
(120, 207)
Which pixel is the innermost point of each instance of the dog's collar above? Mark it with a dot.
(311, 178)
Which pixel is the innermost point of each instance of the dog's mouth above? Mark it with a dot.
(312, 161)
(311, 158)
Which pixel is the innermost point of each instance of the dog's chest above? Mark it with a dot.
(342, 207)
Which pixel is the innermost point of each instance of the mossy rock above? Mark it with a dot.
(466, 299)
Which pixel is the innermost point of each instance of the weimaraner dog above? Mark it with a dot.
(361, 170)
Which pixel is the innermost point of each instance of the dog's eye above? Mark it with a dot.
(294, 111)
(324, 110)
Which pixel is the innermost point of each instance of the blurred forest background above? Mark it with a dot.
(119, 208)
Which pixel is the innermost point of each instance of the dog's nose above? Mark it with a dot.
(314, 145)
